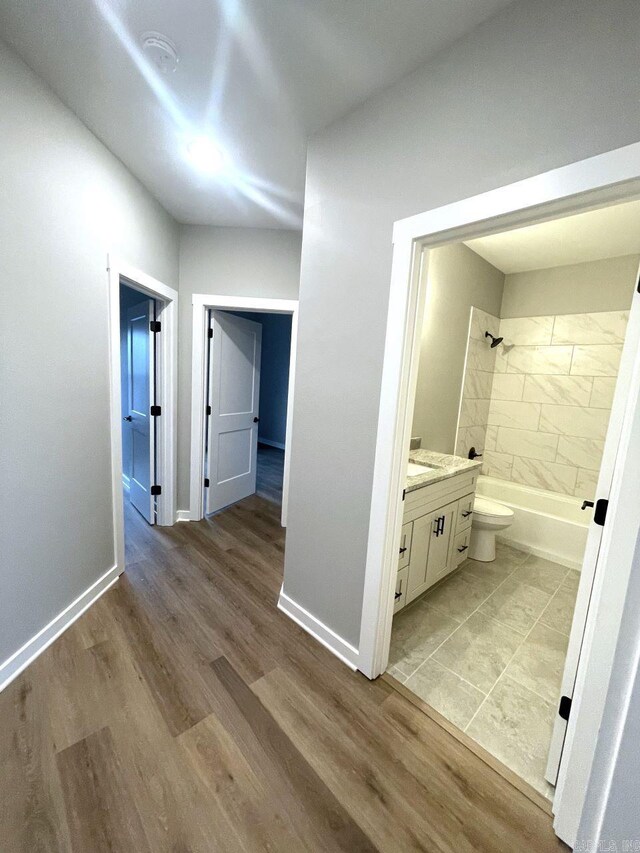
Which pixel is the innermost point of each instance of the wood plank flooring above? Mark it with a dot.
(184, 712)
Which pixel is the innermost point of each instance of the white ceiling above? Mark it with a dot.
(262, 75)
(605, 233)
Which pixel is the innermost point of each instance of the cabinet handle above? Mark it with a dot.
(466, 514)
(444, 521)
(464, 548)
(402, 550)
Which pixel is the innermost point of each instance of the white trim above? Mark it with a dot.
(202, 302)
(34, 647)
(329, 639)
(167, 371)
(183, 515)
(277, 444)
(591, 183)
(126, 482)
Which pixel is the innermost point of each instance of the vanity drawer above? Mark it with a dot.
(401, 589)
(405, 545)
(461, 547)
(465, 513)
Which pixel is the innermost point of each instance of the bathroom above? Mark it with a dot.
(521, 343)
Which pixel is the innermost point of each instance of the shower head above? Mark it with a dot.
(494, 341)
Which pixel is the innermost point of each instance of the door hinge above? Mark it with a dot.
(156, 411)
(600, 512)
(156, 490)
(564, 709)
(210, 332)
(208, 410)
(206, 482)
(638, 285)
(155, 326)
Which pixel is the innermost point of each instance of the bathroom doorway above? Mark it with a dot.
(511, 414)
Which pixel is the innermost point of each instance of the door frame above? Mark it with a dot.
(608, 178)
(201, 304)
(166, 389)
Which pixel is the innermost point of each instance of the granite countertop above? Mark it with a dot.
(445, 466)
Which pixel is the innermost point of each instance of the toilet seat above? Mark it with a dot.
(486, 507)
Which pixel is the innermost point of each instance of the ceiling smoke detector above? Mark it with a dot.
(161, 51)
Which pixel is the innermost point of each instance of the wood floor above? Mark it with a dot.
(184, 712)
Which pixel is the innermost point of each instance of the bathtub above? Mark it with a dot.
(546, 524)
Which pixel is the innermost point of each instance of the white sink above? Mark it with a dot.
(413, 469)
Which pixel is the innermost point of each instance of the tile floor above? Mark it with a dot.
(486, 649)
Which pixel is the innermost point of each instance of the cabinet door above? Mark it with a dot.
(400, 598)
(405, 545)
(420, 540)
(443, 528)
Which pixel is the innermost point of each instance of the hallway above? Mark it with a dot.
(184, 712)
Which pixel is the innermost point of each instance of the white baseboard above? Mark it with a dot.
(270, 443)
(329, 639)
(21, 659)
(183, 515)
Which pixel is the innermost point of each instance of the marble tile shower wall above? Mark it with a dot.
(550, 399)
(478, 380)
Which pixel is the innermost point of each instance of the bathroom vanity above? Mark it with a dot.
(438, 510)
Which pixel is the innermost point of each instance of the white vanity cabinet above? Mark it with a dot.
(435, 534)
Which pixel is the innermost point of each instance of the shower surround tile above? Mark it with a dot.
(598, 360)
(544, 420)
(523, 359)
(586, 484)
(524, 331)
(497, 464)
(507, 386)
(549, 476)
(574, 420)
(507, 413)
(583, 452)
(528, 443)
(606, 327)
(565, 390)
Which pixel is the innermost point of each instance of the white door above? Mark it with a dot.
(234, 397)
(590, 560)
(141, 396)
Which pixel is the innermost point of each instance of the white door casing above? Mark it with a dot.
(140, 392)
(234, 397)
(590, 564)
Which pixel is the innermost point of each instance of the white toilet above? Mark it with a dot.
(488, 517)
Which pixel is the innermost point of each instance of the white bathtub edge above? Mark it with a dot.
(545, 534)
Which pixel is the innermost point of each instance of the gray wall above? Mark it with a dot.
(274, 373)
(593, 286)
(65, 203)
(228, 262)
(458, 278)
(544, 83)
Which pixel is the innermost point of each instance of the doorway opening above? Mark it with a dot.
(139, 408)
(605, 180)
(247, 392)
(510, 416)
(241, 415)
(143, 355)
